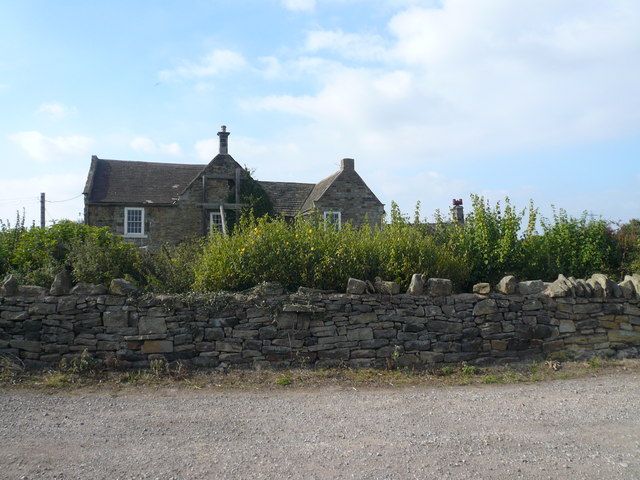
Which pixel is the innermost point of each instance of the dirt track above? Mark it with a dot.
(571, 429)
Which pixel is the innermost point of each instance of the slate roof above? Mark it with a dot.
(287, 197)
(128, 182)
(318, 190)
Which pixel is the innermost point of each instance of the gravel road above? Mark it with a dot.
(571, 429)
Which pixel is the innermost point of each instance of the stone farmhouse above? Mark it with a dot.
(155, 203)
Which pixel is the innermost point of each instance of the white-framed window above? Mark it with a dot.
(134, 222)
(333, 217)
(215, 222)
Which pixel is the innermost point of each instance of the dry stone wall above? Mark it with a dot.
(314, 328)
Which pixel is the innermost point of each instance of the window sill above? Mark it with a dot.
(134, 235)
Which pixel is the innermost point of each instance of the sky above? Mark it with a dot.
(435, 100)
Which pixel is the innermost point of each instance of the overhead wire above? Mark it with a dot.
(65, 200)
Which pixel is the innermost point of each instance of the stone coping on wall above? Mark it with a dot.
(315, 329)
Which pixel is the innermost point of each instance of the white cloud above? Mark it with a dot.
(19, 193)
(482, 76)
(43, 148)
(215, 63)
(147, 145)
(55, 110)
(355, 46)
(299, 5)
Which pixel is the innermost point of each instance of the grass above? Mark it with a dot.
(12, 375)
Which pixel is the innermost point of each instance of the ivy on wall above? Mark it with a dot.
(252, 195)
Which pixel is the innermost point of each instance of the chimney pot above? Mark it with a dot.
(224, 140)
(348, 164)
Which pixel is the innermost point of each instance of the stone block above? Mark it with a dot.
(151, 325)
(363, 318)
(500, 345)
(482, 288)
(213, 334)
(62, 283)
(385, 333)
(485, 307)
(115, 318)
(531, 287)
(439, 287)
(120, 286)
(560, 288)
(335, 354)
(10, 286)
(420, 345)
(157, 346)
(103, 345)
(287, 320)
(8, 315)
(441, 326)
(531, 304)
(566, 326)
(386, 287)
(360, 334)
(416, 287)
(507, 285)
(227, 346)
(26, 345)
(42, 308)
(624, 336)
(356, 287)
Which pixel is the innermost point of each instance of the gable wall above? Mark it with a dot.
(217, 190)
(353, 198)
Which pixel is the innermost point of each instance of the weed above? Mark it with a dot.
(594, 363)
(58, 379)
(392, 361)
(468, 370)
(553, 365)
(79, 364)
(284, 380)
(11, 368)
(447, 370)
(490, 378)
(159, 367)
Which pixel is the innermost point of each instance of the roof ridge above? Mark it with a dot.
(152, 163)
(289, 183)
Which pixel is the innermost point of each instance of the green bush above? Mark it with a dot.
(171, 269)
(311, 253)
(42, 252)
(488, 242)
(93, 254)
(572, 246)
(628, 240)
(494, 241)
(97, 256)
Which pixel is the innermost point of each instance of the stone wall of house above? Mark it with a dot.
(172, 223)
(313, 328)
(350, 195)
(163, 224)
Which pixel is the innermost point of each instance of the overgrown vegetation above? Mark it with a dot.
(495, 240)
(92, 254)
(177, 374)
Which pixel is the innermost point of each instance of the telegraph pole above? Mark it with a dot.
(42, 210)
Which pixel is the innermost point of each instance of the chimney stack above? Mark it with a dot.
(224, 140)
(347, 164)
(458, 211)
